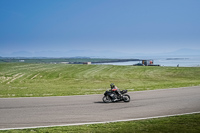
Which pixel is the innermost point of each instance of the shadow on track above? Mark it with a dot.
(108, 103)
(99, 102)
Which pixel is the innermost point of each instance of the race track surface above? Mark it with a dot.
(47, 111)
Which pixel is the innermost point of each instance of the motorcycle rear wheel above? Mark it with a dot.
(106, 99)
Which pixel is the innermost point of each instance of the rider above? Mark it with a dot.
(115, 89)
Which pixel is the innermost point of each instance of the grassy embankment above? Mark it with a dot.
(177, 124)
(38, 80)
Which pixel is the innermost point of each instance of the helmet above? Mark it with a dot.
(112, 85)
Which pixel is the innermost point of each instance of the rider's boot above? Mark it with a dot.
(114, 100)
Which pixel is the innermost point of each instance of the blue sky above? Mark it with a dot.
(127, 26)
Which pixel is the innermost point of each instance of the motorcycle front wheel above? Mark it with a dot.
(126, 98)
(106, 99)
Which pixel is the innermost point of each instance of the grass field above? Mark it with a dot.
(38, 80)
(176, 124)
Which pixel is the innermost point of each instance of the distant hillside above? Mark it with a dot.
(70, 53)
(96, 54)
(185, 52)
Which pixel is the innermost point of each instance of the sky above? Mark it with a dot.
(127, 26)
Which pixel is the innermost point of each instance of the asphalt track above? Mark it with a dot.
(51, 111)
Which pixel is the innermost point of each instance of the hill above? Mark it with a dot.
(38, 80)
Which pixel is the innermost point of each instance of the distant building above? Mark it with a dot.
(21, 60)
(147, 62)
(87, 63)
(64, 62)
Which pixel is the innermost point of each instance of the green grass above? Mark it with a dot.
(176, 124)
(38, 80)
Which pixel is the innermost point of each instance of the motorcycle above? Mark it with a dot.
(110, 96)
